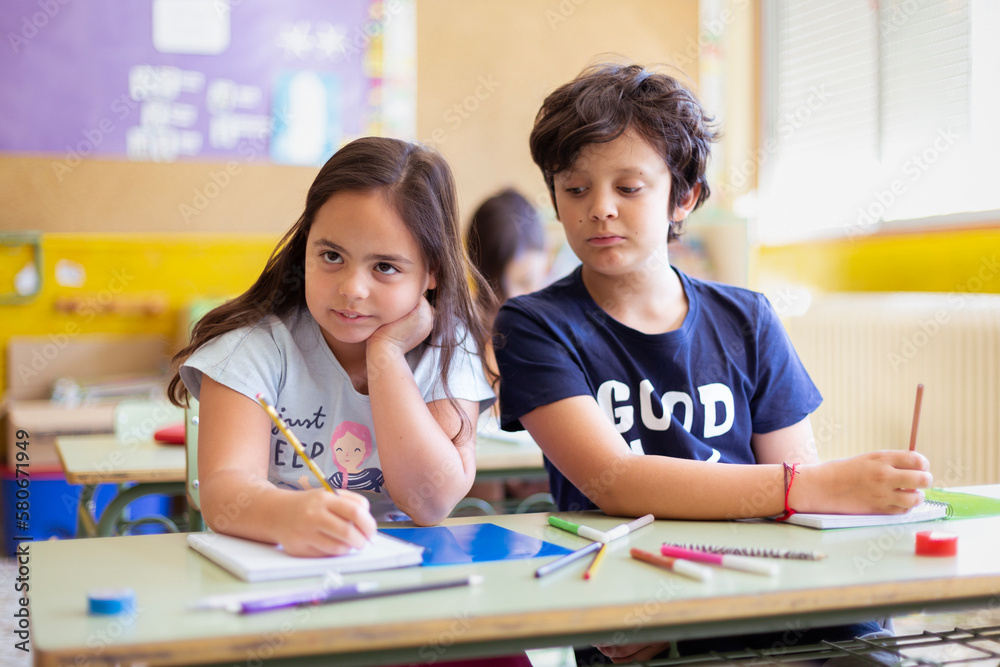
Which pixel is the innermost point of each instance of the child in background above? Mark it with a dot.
(649, 391)
(507, 244)
(362, 317)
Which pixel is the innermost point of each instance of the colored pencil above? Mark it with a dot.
(294, 442)
(916, 418)
(562, 561)
(592, 570)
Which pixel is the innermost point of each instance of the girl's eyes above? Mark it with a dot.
(333, 257)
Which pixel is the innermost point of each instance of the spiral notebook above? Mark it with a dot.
(929, 510)
(257, 561)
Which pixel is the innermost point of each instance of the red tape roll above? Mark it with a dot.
(936, 543)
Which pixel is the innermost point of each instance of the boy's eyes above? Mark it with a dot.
(624, 189)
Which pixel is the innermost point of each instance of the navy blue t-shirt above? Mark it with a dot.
(698, 392)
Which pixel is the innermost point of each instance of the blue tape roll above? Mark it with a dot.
(113, 601)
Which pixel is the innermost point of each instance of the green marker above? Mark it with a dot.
(582, 531)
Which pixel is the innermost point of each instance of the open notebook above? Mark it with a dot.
(257, 561)
(927, 511)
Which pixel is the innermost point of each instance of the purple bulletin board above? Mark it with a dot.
(165, 80)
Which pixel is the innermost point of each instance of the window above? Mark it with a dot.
(878, 111)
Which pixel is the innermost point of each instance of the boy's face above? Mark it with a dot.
(613, 205)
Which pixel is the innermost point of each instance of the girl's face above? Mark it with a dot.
(363, 268)
(526, 273)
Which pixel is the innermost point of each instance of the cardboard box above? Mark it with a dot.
(43, 422)
(35, 363)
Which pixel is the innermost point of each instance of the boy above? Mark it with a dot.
(639, 382)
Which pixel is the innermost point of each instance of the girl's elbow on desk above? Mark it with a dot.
(427, 513)
(428, 504)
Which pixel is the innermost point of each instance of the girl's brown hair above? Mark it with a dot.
(419, 185)
(504, 226)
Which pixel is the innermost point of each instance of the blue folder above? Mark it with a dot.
(474, 543)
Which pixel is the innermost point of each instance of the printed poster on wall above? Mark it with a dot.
(166, 80)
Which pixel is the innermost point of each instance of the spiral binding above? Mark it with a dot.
(756, 552)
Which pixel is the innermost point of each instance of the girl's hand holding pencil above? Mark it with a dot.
(320, 522)
(317, 523)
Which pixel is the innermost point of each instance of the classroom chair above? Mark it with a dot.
(195, 520)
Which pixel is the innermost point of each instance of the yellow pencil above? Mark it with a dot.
(294, 442)
(594, 563)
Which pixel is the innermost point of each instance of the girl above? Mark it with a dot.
(363, 314)
(506, 242)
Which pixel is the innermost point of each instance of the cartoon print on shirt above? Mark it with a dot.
(351, 445)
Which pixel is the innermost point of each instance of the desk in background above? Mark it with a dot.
(870, 572)
(155, 469)
(90, 460)
(502, 458)
(505, 458)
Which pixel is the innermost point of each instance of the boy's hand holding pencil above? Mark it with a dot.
(886, 482)
(883, 482)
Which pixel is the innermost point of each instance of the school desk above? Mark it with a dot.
(90, 460)
(869, 573)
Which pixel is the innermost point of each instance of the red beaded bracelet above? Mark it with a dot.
(790, 473)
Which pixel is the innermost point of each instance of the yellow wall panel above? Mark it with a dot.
(959, 260)
(123, 284)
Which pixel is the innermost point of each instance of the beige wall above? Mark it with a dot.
(120, 196)
(484, 67)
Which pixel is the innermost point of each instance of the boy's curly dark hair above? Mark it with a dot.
(604, 101)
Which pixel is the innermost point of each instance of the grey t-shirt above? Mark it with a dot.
(289, 362)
